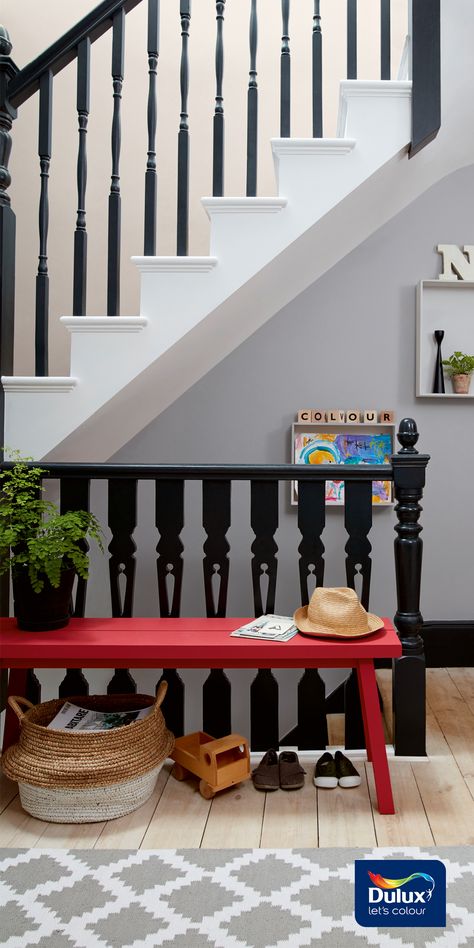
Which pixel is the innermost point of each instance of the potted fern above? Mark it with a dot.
(43, 549)
(460, 367)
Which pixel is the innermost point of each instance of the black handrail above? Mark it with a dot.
(215, 472)
(64, 50)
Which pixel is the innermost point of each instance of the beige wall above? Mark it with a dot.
(33, 26)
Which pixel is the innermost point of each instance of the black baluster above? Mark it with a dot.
(358, 522)
(80, 236)
(352, 39)
(218, 144)
(7, 251)
(75, 495)
(122, 519)
(42, 279)
(216, 704)
(153, 46)
(216, 522)
(169, 565)
(385, 68)
(264, 522)
(311, 522)
(312, 723)
(252, 106)
(73, 683)
(173, 703)
(183, 135)
(317, 71)
(285, 72)
(122, 683)
(264, 731)
(409, 469)
(33, 687)
(115, 211)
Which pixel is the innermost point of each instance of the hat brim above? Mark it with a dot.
(304, 625)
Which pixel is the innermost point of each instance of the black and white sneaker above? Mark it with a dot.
(347, 775)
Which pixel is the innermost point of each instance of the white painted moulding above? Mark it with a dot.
(288, 147)
(105, 324)
(55, 384)
(368, 89)
(243, 205)
(175, 264)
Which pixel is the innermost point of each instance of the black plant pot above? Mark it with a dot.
(41, 611)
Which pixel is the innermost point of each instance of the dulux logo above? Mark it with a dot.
(400, 892)
(390, 891)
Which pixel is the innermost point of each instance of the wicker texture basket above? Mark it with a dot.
(84, 776)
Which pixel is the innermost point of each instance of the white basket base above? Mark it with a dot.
(88, 805)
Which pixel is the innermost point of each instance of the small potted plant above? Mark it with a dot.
(460, 367)
(43, 549)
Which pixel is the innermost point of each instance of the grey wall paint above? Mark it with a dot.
(349, 340)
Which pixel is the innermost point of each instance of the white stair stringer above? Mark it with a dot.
(195, 310)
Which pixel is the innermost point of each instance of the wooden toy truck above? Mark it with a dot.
(218, 762)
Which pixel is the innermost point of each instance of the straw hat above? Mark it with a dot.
(336, 612)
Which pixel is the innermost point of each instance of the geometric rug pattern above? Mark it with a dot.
(197, 898)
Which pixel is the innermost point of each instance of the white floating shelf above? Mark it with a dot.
(448, 305)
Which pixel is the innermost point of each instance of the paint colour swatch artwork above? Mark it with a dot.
(326, 447)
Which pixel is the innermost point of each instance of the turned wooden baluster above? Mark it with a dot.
(285, 72)
(317, 72)
(42, 279)
(80, 236)
(352, 39)
(122, 520)
(358, 523)
(385, 68)
(153, 45)
(169, 514)
(264, 688)
(252, 106)
(183, 134)
(115, 201)
(218, 142)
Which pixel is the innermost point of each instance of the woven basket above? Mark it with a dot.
(85, 776)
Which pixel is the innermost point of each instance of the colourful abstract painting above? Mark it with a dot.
(347, 448)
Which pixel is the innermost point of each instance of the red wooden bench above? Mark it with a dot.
(200, 643)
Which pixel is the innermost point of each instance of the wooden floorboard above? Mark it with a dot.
(434, 798)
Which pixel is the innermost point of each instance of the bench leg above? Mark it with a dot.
(17, 680)
(374, 735)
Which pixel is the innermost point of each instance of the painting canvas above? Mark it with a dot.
(326, 447)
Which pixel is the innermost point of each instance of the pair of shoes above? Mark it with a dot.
(273, 772)
(331, 771)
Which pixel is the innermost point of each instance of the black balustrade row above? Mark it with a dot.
(16, 86)
(407, 472)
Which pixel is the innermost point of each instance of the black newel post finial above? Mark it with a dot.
(409, 468)
(438, 380)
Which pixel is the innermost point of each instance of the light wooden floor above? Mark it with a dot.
(434, 798)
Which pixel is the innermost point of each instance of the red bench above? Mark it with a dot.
(200, 643)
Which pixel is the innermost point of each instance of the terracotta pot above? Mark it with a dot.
(461, 384)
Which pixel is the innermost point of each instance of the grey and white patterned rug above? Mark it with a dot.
(197, 898)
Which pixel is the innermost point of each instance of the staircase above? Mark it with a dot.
(194, 311)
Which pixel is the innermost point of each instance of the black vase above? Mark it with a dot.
(438, 380)
(45, 610)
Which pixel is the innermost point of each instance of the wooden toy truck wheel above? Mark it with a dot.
(205, 790)
(179, 772)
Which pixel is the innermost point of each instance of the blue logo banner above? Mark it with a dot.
(396, 892)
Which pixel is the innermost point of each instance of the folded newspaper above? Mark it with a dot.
(71, 717)
(273, 628)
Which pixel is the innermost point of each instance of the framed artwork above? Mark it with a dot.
(345, 447)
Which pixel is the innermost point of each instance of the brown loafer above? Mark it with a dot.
(291, 771)
(267, 775)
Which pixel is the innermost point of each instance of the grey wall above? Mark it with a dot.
(348, 341)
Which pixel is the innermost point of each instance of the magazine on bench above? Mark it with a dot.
(72, 717)
(273, 628)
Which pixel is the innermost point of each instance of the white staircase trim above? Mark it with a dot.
(243, 205)
(175, 264)
(38, 384)
(108, 324)
(283, 147)
(367, 89)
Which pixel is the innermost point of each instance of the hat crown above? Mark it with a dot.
(337, 608)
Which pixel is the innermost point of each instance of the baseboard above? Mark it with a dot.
(449, 644)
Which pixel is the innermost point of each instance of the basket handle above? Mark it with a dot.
(15, 702)
(160, 694)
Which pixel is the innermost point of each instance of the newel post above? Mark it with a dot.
(409, 708)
